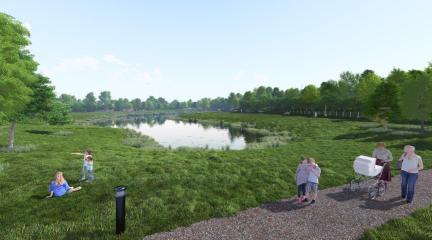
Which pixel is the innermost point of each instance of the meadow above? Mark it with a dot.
(171, 188)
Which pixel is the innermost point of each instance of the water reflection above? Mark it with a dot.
(176, 133)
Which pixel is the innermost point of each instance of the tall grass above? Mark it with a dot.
(168, 189)
(138, 140)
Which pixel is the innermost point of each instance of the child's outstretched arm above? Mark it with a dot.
(50, 195)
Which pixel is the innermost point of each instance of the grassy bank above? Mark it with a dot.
(167, 189)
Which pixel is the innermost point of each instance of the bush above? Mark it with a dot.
(59, 115)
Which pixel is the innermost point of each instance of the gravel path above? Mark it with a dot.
(338, 214)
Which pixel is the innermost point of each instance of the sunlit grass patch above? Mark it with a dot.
(62, 133)
(20, 148)
(3, 167)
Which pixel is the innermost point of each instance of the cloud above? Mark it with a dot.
(112, 59)
(144, 76)
(149, 76)
(238, 76)
(261, 78)
(73, 64)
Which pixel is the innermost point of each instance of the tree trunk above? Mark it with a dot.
(12, 135)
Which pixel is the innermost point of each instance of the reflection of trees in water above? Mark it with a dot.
(159, 119)
(239, 132)
(105, 123)
(136, 121)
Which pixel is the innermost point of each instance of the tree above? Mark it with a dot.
(233, 101)
(59, 114)
(90, 102)
(397, 76)
(330, 94)
(105, 101)
(416, 99)
(310, 96)
(204, 103)
(17, 70)
(68, 99)
(247, 102)
(122, 104)
(151, 103)
(348, 84)
(162, 103)
(136, 104)
(369, 81)
(290, 100)
(175, 104)
(41, 103)
(383, 104)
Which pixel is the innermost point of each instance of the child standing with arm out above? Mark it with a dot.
(90, 167)
(87, 153)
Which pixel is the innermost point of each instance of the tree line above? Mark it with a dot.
(399, 96)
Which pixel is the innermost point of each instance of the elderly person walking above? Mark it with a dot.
(383, 158)
(411, 165)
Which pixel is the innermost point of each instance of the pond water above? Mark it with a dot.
(174, 133)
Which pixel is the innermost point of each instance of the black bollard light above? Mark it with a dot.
(120, 209)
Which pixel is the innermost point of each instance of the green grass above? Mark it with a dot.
(417, 226)
(170, 188)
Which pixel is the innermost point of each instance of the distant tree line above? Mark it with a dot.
(402, 95)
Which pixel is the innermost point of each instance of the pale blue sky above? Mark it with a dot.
(193, 49)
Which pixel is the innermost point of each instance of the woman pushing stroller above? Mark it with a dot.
(383, 158)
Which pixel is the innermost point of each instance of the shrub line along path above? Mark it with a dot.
(338, 214)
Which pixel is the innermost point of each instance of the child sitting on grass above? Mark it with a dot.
(60, 187)
(301, 180)
(314, 172)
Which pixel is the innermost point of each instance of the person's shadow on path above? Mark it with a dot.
(346, 195)
(284, 206)
(383, 205)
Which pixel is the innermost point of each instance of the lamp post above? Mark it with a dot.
(120, 197)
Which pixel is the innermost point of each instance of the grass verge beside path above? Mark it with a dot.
(417, 226)
(167, 189)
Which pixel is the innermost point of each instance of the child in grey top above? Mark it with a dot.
(301, 180)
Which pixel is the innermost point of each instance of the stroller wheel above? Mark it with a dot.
(381, 188)
(354, 185)
(372, 192)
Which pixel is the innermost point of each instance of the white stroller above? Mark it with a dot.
(366, 169)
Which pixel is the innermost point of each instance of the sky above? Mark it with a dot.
(193, 49)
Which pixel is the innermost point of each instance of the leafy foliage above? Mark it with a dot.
(416, 100)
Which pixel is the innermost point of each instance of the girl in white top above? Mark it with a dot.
(411, 165)
(411, 162)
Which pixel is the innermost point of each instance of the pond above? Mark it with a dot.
(175, 133)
